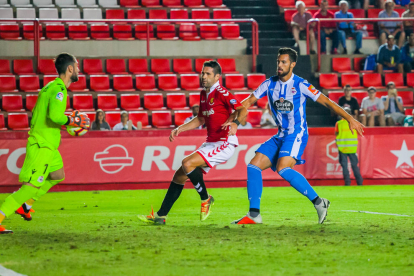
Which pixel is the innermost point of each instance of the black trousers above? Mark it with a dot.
(343, 160)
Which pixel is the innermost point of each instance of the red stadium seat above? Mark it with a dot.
(397, 78)
(31, 100)
(116, 66)
(162, 119)
(8, 84)
(68, 108)
(352, 79)
(358, 13)
(341, 65)
(166, 32)
(10, 31)
(136, 14)
(55, 32)
(139, 116)
(80, 85)
(190, 82)
(23, 67)
(100, 83)
(358, 67)
(123, 32)
(160, 66)
(115, 14)
(157, 14)
(188, 31)
(410, 79)
(49, 78)
(310, 3)
(78, 32)
(100, 32)
(83, 102)
(138, 66)
(113, 118)
(5, 67)
(2, 124)
(29, 83)
(181, 115)
(129, 3)
(230, 31)
(18, 121)
(286, 3)
(172, 3)
(199, 62)
(183, 66)
(168, 82)
(373, 79)
(91, 115)
(200, 14)
(12, 103)
(193, 3)
(373, 13)
(123, 83)
(408, 112)
(130, 102)
(407, 97)
(194, 98)
(178, 14)
(153, 101)
(228, 65)
(329, 81)
(254, 80)
(288, 15)
(47, 67)
(240, 96)
(151, 3)
(222, 14)
(28, 32)
(214, 3)
(145, 82)
(176, 101)
(107, 102)
(235, 82)
(254, 117)
(141, 32)
(93, 66)
(335, 95)
(209, 31)
(262, 103)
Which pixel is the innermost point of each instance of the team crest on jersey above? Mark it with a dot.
(59, 96)
(294, 91)
(40, 179)
(211, 101)
(283, 106)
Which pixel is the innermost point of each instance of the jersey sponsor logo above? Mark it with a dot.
(208, 112)
(113, 159)
(59, 96)
(313, 90)
(211, 101)
(233, 101)
(40, 179)
(283, 106)
(203, 101)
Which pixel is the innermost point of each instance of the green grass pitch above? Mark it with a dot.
(98, 233)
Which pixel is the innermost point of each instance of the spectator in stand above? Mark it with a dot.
(299, 20)
(408, 121)
(246, 125)
(100, 122)
(267, 121)
(125, 123)
(359, 4)
(389, 56)
(373, 109)
(349, 101)
(387, 28)
(393, 106)
(408, 25)
(407, 54)
(195, 108)
(346, 29)
(328, 29)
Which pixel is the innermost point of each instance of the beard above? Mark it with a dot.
(74, 78)
(282, 74)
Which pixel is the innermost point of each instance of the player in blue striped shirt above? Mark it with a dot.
(287, 95)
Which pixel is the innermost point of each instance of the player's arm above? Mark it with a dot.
(239, 115)
(57, 107)
(192, 124)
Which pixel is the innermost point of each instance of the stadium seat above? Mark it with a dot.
(240, 96)
(230, 31)
(166, 32)
(115, 14)
(71, 14)
(47, 67)
(160, 66)
(12, 103)
(5, 11)
(107, 102)
(100, 32)
(87, 4)
(352, 79)
(100, 83)
(254, 117)
(407, 98)
(157, 14)
(43, 4)
(18, 121)
(69, 109)
(136, 14)
(123, 32)
(93, 66)
(162, 119)
(172, 3)
(23, 67)
(65, 4)
(190, 82)
(358, 67)
(329, 81)
(116, 66)
(80, 85)
(31, 100)
(151, 3)
(214, 3)
(254, 80)
(153, 101)
(113, 118)
(55, 32)
(176, 101)
(200, 14)
(5, 67)
(286, 3)
(183, 66)
(10, 31)
(199, 62)
(129, 3)
(222, 14)
(139, 116)
(335, 95)
(26, 12)
(92, 13)
(130, 102)
(123, 83)
(78, 32)
(373, 13)
(138, 66)
(235, 82)
(83, 102)
(108, 3)
(194, 98)
(262, 103)
(181, 115)
(209, 31)
(141, 32)
(193, 3)
(8, 84)
(408, 112)
(188, 31)
(28, 32)
(372, 79)
(228, 65)
(341, 65)
(2, 123)
(397, 78)
(410, 79)
(145, 82)
(168, 82)
(49, 78)
(29, 83)
(178, 14)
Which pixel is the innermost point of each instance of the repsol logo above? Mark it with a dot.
(283, 106)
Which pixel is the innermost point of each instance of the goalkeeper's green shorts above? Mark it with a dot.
(39, 162)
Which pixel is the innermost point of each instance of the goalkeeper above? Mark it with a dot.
(43, 165)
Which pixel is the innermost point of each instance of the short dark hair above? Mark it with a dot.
(293, 55)
(411, 3)
(213, 64)
(347, 86)
(62, 62)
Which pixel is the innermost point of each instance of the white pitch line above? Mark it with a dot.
(375, 213)
(8, 272)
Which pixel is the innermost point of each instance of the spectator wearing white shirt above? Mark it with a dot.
(373, 109)
(125, 123)
(267, 120)
(246, 125)
(393, 106)
(195, 108)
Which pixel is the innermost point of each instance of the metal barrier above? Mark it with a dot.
(36, 22)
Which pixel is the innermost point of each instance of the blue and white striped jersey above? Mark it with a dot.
(288, 102)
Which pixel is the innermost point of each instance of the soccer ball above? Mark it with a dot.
(76, 131)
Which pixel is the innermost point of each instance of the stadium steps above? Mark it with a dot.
(317, 116)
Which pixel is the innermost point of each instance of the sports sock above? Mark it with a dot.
(196, 177)
(46, 187)
(26, 207)
(2, 216)
(299, 182)
(254, 188)
(15, 200)
(317, 201)
(172, 195)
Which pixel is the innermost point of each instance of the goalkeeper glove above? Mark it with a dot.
(77, 119)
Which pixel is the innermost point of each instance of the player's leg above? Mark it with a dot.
(191, 166)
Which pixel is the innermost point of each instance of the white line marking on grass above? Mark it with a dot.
(375, 213)
(8, 272)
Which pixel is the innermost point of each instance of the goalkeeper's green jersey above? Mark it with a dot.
(49, 115)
